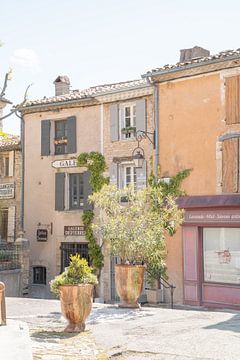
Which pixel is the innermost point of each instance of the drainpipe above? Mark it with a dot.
(22, 137)
(156, 122)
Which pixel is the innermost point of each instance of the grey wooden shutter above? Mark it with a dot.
(59, 191)
(114, 122)
(11, 163)
(142, 176)
(87, 190)
(141, 115)
(122, 120)
(113, 173)
(71, 135)
(45, 137)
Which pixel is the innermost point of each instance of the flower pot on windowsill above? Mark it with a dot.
(128, 130)
(60, 141)
(155, 296)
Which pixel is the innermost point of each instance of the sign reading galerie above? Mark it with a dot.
(65, 163)
(75, 230)
(7, 191)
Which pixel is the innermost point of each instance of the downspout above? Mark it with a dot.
(22, 137)
(156, 123)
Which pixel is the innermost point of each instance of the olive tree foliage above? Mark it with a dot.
(3, 89)
(133, 224)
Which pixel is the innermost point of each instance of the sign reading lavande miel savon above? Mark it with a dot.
(75, 230)
(7, 191)
(212, 216)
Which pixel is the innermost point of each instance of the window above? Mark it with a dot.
(130, 175)
(6, 164)
(68, 249)
(129, 121)
(39, 275)
(60, 137)
(3, 224)
(221, 254)
(76, 188)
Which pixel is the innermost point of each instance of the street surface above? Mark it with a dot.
(119, 334)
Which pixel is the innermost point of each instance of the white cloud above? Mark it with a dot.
(25, 57)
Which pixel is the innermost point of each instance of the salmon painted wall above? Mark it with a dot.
(191, 119)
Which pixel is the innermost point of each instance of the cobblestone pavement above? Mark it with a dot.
(125, 334)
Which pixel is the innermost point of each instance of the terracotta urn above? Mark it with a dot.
(129, 284)
(76, 305)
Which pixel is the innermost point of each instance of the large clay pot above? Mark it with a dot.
(129, 284)
(76, 305)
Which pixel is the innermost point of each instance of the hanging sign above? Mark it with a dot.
(7, 191)
(75, 230)
(65, 163)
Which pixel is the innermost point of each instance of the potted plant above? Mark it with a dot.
(128, 130)
(75, 288)
(133, 230)
(156, 270)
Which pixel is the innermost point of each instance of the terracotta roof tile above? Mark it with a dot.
(9, 142)
(89, 93)
(221, 56)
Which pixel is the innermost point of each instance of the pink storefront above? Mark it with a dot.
(211, 250)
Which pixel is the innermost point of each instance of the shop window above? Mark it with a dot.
(39, 275)
(68, 249)
(221, 255)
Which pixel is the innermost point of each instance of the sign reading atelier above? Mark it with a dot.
(67, 163)
(42, 234)
(7, 191)
(75, 230)
(211, 216)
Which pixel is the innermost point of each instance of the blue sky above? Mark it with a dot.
(104, 41)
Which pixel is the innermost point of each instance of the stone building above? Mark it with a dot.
(57, 130)
(199, 128)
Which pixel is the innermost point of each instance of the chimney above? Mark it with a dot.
(195, 52)
(62, 85)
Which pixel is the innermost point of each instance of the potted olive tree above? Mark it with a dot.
(133, 230)
(75, 288)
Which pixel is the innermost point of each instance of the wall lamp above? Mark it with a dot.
(138, 152)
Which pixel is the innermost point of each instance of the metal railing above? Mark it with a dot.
(167, 285)
(9, 256)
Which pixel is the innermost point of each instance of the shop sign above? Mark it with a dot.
(7, 191)
(65, 163)
(42, 234)
(75, 230)
(211, 216)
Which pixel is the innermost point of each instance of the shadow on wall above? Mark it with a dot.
(232, 324)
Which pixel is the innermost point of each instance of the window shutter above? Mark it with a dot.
(141, 115)
(45, 137)
(11, 163)
(113, 173)
(230, 165)
(59, 191)
(71, 135)
(11, 223)
(232, 94)
(114, 122)
(122, 120)
(142, 176)
(87, 190)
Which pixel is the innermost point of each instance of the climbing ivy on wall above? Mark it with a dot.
(95, 163)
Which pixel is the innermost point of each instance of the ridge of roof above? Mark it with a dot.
(89, 92)
(202, 60)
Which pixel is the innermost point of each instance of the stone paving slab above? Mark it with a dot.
(15, 342)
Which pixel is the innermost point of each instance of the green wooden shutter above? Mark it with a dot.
(71, 135)
(87, 190)
(114, 122)
(59, 191)
(141, 115)
(45, 137)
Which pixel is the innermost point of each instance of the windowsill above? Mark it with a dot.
(72, 210)
(34, 284)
